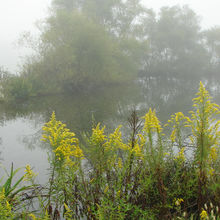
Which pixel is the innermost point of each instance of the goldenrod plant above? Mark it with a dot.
(14, 191)
(159, 171)
(148, 175)
(5, 207)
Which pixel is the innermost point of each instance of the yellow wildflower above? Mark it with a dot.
(106, 189)
(32, 216)
(29, 174)
(115, 142)
(173, 135)
(68, 212)
(111, 162)
(204, 125)
(5, 207)
(203, 215)
(213, 154)
(142, 141)
(178, 201)
(62, 141)
(181, 156)
(2, 194)
(203, 99)
(120, 163)
(152, 123)
(211, 172)
(177, 121)
(98, 137)
(69, 163)
(137, 151)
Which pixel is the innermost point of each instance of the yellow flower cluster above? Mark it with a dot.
(106, 189)
(205, 109)
(205, 128)
(152, 131)
(112, 161)
(178, 201)
(176, 121)
(98, 137)
(5, 207)
(181, 157)
(202, 95)
(203, 98)
(211, 159)
(4, 199)
(62, 141)
(29, 174)
(138, 148)
(173, 135)
(120, 163)
(152, 123)
(211, 172)
(176, 118)
(68, 213)
(213, 154)
(115, 142)
(33, 217)
(67, 150)
(138, 151)
(203, 215)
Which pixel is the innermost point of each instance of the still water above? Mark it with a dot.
(21, 123)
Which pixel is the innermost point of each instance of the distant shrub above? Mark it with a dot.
(15, 88)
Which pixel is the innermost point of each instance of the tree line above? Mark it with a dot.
(85, 44)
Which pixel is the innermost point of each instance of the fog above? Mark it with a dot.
(18, 16)
(207, 10)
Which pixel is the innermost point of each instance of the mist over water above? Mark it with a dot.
(21, 123)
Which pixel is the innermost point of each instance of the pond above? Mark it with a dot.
(21, 123)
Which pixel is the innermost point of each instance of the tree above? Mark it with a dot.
(81, 45)
(175, 44)
(123, 20)
(212, 44)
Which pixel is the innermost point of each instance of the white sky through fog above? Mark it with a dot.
(208, 10)
(17, 16)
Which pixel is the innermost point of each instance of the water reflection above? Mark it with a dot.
(21, 123)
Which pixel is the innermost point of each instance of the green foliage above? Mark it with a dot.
(175, 45)
(16, 88)
(12, 189)
(5, 207)
(12, 192)
(88, 44)
(148, 174)
(80, 48)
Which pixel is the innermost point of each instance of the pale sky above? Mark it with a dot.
(17, 16)
(208, 10)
